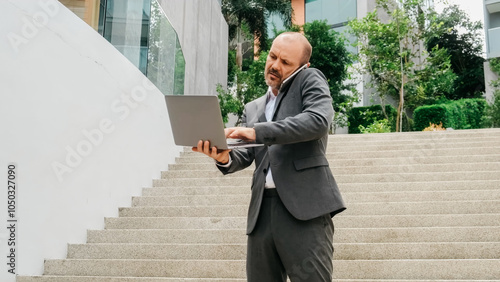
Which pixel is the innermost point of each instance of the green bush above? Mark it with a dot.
(459, 114)
(379, 126)
(367, 116)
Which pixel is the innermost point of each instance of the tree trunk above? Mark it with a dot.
(239, 55)
(399, 119)
(239, 48)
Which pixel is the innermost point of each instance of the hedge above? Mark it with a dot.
(459, 114)
(366, 116)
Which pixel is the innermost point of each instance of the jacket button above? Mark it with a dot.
(265, 170)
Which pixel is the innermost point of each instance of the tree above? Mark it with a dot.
(391, 52)
(331, 57)
(454, 31)
(246, 86)
(253, 14)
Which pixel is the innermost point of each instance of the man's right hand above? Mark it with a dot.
(221, 157)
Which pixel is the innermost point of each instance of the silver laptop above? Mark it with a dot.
(198, 117)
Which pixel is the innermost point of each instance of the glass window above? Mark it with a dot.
(274, 24)
(166, 62)
(141, 31)
(337, 13)
(334, 11)
(126, 26)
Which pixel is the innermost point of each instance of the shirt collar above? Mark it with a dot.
(270, 95)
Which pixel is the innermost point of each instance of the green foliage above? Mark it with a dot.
(492, 118)
(459, 114)
(231, 66)
(379, 126)
(436, 80)
(363, 117)
(254, 15)
(245, 87)
(495, 65)
(390, 52)
(228, 103)
(329, 55)
(454, 31)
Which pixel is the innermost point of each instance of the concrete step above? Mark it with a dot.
(418, 196)
(380, 208)
(347, 187)
(240, 179)
(212, 171)
(406, 156)
(441, 250)
(356, 221)
(411, 137)
(402, 171)
(187, 162)
(334, 147)
(354, 197)
(184, 211)
(53, 278)
(159, 251)
(417, 269)
(335, 141)
(452, 134)
(60, 278)
(344, 269)
(342, 235)
(148, 268)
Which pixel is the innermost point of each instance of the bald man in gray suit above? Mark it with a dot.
(294, 194)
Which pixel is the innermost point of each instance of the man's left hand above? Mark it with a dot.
(243, 133)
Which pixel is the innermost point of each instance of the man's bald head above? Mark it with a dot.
(299, 38)
(290, 51)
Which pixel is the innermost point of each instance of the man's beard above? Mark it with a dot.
(275, 84)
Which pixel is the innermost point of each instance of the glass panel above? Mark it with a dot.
(166, 61)
(274, 21)
(102, 17)
(494, 21)
(350, 39)
(334, 11)
(126, 26)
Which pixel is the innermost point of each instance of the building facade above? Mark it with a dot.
(168, 45)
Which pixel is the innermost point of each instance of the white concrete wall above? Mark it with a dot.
(84, 127)
(489, 76)
(203, 35)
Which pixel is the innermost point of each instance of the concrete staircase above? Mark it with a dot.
(421, 207)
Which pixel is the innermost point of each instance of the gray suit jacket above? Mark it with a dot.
(296, 141)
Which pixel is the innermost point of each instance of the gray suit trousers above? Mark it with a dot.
(281, 245)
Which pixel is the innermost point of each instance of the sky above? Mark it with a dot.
(472, 7)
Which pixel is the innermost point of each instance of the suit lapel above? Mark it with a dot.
(279, 98)
(261, 108)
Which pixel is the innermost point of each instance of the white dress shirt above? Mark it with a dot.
(271, 102)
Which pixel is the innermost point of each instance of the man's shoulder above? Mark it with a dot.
(253, 103)
(311, 73)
